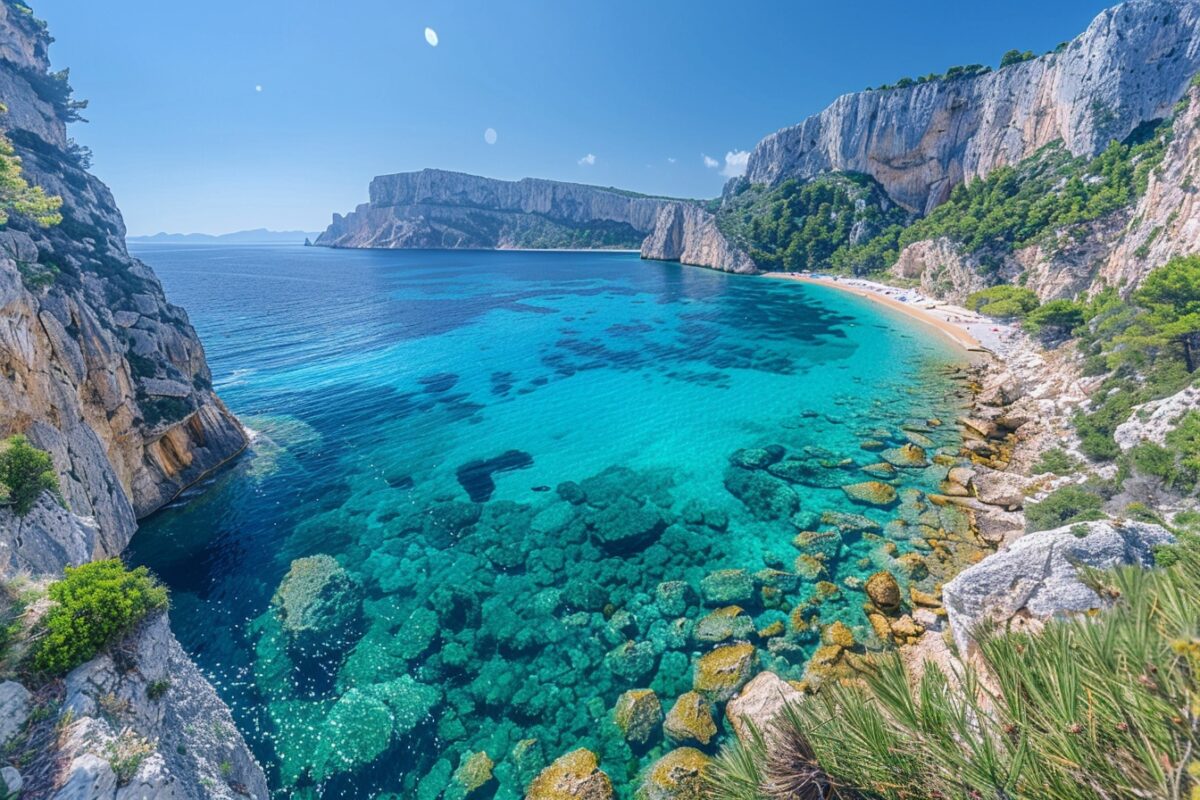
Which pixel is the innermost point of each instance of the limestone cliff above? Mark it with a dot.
(449, 210)
(686, 233)
(1132, 64)
(99, 369)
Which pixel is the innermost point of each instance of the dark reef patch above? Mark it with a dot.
(475, 477)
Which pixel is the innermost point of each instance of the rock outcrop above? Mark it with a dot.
(1037, 576)
(99, 369)
(687, 233)
(438, 209)
(1131, 65)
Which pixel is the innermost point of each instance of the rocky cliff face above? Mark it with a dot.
(99, 369)
(686, 233)
(439, 209)
(1132, 64)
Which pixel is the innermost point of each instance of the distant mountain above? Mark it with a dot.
(256, 236)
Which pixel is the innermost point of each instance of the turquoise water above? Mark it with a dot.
(506, 454)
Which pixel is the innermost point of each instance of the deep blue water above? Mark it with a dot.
(415, 415)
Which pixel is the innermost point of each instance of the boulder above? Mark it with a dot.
(872, 493)
(906, 455)
(884, 591)
(16, 703)
(727, 586)
(759, 704)
(720, 673)
(1004, 489)
(850, 523)
(730, 622)
(679, 775)
(632, 661)
(1036, 577)
(574, 776)
(690, 720)
(318, 601)
(637, 715)
(673, 598)
(625, 527)
(472, 778)
(765, 497)
(757, 457)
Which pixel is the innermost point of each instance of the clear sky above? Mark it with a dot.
(223, 115)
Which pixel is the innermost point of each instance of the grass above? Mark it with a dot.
(1090, 708)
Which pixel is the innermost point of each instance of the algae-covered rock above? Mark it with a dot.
(357, 730)
(727, 586)
(574, 776)
(690, 720)
(906, 455)
(632, 661)
(882, 470)
(757, 457)
(637, 715)
(884, 591)
(625, 526)
(872, 493)
(765, 497)
(720, 673)
(679, 775)
(730, 622)
(473, 776)
(318, 601)
(674, 597)
(838, 634)
(850, 523)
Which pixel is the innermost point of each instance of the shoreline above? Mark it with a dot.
(969, 330)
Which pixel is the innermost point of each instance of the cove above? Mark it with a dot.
(490, 492)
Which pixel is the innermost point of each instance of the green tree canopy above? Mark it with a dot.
(1171, 297)
(17, 196)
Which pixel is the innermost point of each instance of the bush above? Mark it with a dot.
(95, 605)
(1055, 460)
(1062, 507)
(1090, 708)
(1003, 301)
(25, 472)
(1056, 318)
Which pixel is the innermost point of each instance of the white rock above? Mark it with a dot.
(1035, 578)
(15, 704)
(760, 703)
(1150, 422)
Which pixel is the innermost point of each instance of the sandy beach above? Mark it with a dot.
(968, 329)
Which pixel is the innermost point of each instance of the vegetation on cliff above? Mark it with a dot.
(95, 604)
(17, 196)
(25, 473)
(1088, 708)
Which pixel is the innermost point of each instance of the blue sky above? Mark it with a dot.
(188, 142)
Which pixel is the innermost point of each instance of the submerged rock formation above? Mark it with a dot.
(100, 370)
(438, 209)
(1131, 65)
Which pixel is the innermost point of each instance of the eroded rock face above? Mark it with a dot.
(100, 370)
(1151, 422)
(1036, 577)
(439, 209)
(686, 233)
(1132, 64)
(196, 752)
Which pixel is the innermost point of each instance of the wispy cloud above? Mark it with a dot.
(670, 160)
(710, 162)
(587, 160)
(735, 163)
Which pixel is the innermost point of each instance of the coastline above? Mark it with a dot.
(971, 331)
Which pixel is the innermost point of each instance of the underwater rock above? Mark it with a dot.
(318, 602)
(726, 586)
(884, 591)
(409, 702)
(584, 595)
(624, 526)
(696, 513)
(690, 720)
(633, 661)
(475, 477)
(757, 457)
(765, 497)
(473, 774)
(882, 470)
(356, 732)
(446, 523)
(872, 493)
(906, 455)
(435, 781)
(679, 775)
(838, 635)
(574, 776)
(759, 704)
(824, 544)
(726, 623)
(720, 673)
(673, 598)
(572, 492)
(638, 715)
(850, 523)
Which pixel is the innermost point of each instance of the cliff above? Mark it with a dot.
(686, 233)
(100, 370)
(1132, 64)
(450, 210)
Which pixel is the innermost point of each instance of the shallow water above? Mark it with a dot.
(387, 389)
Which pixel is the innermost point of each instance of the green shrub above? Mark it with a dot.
(1056, 461)
(1003, 301)
(1056, 318)
(17, 196)
(25, 472)
(95, 604)
(1090, 708)
(1184, 439)
(1062, 507)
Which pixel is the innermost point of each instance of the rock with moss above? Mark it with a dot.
(906, 455)
(727, 586)
(318, 603)
(730, 622)
(850, 523)
(884, 591)
(638, 715)
(872, 493)
(673, 598)
(632, 661)
(690, 720)
(473, 778)
(573, 776)
(679, 775)
(720, 673)
(765, 497)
